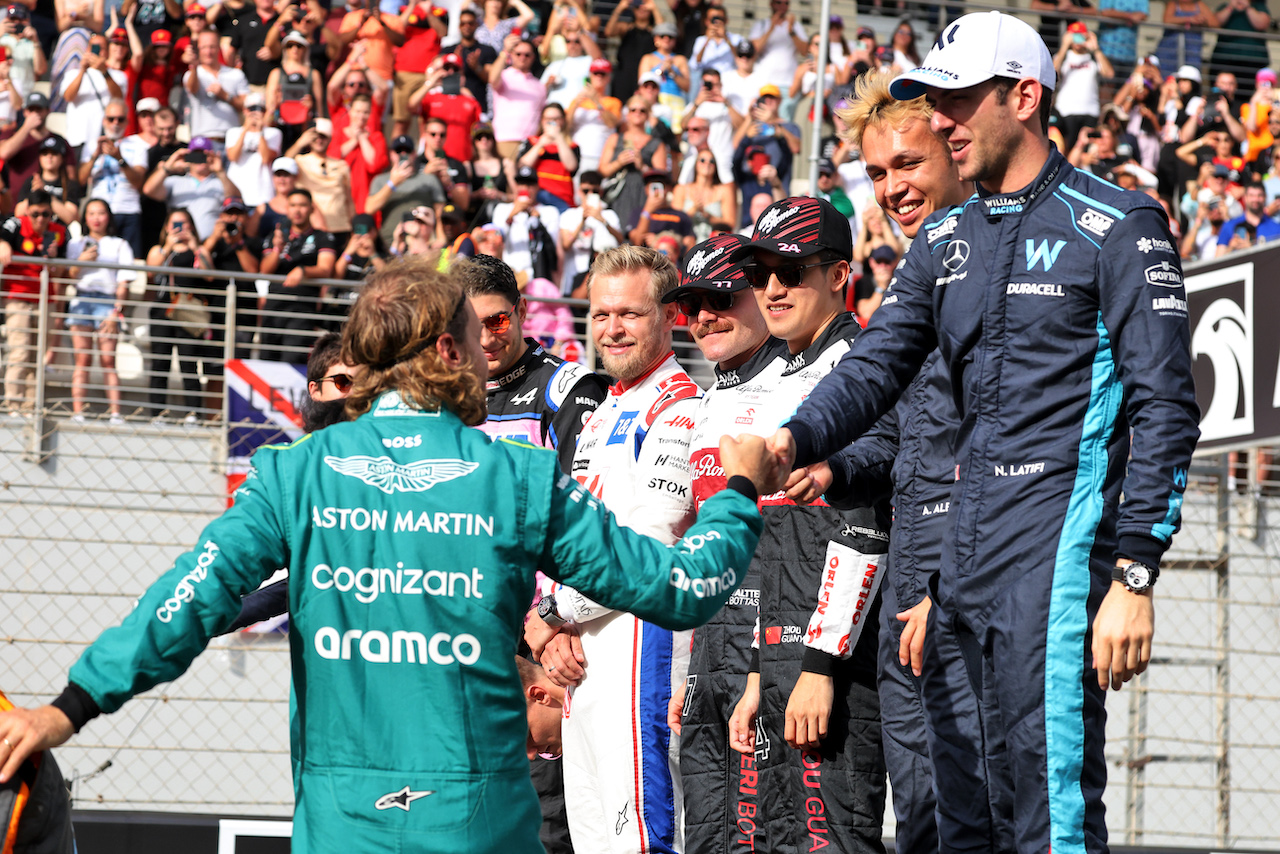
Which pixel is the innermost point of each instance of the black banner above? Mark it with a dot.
(1234, 307)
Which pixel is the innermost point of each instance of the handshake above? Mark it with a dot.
(765, 462)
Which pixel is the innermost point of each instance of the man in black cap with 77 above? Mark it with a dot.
(1057, 303)
(810, 712)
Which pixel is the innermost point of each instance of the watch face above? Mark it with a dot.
(1137, 577)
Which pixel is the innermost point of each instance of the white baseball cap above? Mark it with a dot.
(975, 48)
(147, 105)
(285, 164)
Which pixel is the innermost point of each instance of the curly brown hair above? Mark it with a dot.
(394, 325)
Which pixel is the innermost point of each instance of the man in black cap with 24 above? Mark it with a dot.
(810, 712)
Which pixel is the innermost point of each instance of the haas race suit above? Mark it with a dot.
(1061, 318)
(622, 782)
(412, 541)
(721, 786)
(820, 570)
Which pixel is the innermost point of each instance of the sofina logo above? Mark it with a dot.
(1037, 254)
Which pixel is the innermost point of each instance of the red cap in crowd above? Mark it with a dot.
(196, 11)
(601, 66)
(120, 35)
(162, 37)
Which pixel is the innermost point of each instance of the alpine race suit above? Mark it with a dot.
(413, 541)
(1062, 320)
(621, 774)
(819, 573)
(721, 786)
(545, 401)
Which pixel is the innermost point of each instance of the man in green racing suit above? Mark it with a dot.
(414, 542)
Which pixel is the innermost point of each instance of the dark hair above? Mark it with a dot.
(1251, 183)
(324, 353)
(191, 221)
(485, 274)
(299, 191)
(711, 72)
(591, 176)
(39, 197)
(436, 120)
(1004, 85)
(84, 222)
(166, 110)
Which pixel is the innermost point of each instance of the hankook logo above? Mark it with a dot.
(956, 256)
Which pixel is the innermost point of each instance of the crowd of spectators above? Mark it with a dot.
(316, 142)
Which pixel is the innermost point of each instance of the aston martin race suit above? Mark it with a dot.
(1062, 321)
(721, 789)
(412, 541)
(820, 569)
(622, 782)
(543, 400)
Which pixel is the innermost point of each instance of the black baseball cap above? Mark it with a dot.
(745, 48)
(402, 143)
(714, 265)
(526, 175)
(234, 204)
(801, 226)
(53, 142)
(362, 224)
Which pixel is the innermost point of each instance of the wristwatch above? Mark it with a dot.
(1136, 577)
(548, 612)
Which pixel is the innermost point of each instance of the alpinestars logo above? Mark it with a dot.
(390, 477)
(700, 260)
(401, 799)
(774, 217)
(622, 819)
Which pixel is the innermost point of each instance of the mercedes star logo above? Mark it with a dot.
(956, 256)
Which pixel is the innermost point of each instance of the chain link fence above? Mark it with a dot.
(94, 511)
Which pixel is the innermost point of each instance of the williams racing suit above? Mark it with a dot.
(1062, 321)
(543, 400)
(819, 573)
(622, 782)
(721, 786)
(412, 541)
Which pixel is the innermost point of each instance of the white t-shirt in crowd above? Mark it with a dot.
(571, 74)
(593, 237)
(516, 251)
(591, 135)
(213, 116)
(250, 175)
(84, 113)
(109, 183)
(777, 62)
(101, 281)
(742, 92)
(719, 135)
(1077, 93)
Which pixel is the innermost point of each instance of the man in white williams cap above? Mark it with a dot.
(1056, 300)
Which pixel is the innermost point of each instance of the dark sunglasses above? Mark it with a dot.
(717, 301)
(715, 20)
(789, 275)
(342, 382)
(500, 322)
(113, 118)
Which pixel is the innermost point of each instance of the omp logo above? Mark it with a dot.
(1093, 221)
(185, 590)
(703, 588)
(700, 260)
(1164, 275)
(390, 477)
(957, 255)
(947, 226)
(775, 217)
(1041, 253)
(1224, 334)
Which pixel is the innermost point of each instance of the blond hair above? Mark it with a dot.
(664, 277)
(392, 330)
(873, 106)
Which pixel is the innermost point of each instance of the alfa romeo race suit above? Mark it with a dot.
(820, 569)
(412, 541)
(543, 400)
(721, 786)
(1061, 316)
(622, 782)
